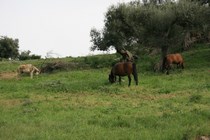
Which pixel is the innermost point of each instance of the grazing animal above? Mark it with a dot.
(123, 69)
(171, 59)
(28, 68)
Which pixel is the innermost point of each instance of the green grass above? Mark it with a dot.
(82, 104)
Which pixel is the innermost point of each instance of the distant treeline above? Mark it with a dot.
(9, 49)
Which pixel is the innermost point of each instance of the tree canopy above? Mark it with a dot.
(9, 47)
(164, 25)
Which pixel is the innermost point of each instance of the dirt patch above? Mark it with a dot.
(8, 75)
(203, 138)
(9, 103)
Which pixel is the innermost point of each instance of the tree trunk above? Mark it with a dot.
(164, 51)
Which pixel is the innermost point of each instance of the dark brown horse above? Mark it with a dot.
(171, 59)
(123, 69)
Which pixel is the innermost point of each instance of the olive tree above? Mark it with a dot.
(163, 26)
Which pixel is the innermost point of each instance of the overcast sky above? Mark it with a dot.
(57, 26)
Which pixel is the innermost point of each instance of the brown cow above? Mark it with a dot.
(28, 68)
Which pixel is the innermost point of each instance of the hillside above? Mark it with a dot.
(80, 103)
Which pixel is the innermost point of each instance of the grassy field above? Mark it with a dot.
(81, 104)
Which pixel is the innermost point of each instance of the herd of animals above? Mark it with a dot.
(126, 67)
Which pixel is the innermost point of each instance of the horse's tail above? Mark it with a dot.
(135, 74)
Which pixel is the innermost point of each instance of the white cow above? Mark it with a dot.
(28, 68)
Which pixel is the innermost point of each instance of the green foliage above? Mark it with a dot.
(162, 26)
(191, 15)
(9, 47)
(25, 55)
(97, 40)
(100, 61)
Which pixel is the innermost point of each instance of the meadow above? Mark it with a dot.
(80, 104)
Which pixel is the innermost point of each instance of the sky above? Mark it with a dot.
(56, 28)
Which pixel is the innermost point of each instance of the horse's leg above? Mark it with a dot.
(182, 65)
(120, 79)
(18, 73)
(31, 74)
(129, 79)
(178, 65)
(172, 67)
(167, 70)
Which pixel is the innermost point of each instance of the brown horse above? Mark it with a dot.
(170, 59)
(123, 69)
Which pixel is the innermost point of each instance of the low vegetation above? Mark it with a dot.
(80, 103)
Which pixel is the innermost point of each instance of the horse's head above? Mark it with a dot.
(36, 71)
(111, 78)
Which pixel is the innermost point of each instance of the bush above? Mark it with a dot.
(25, 55)
(35, 56)
(59, 66)
(100, 61)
